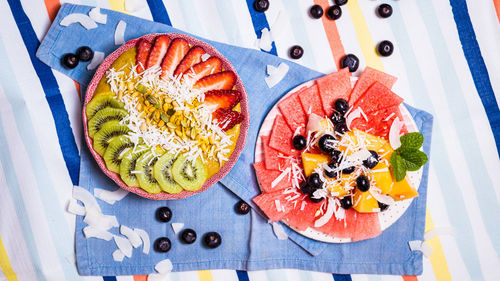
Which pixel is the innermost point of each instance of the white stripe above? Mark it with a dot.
(175, 14)
(428, 273)
(287, 40)
(37, 13)
(291, 275)
(321, 276)
(347, 34)
(257, 275)
(244, 21)
(125, 278)
(208, 15)
(224, 275)
(186, 275)
(145, 12)
(359, 277)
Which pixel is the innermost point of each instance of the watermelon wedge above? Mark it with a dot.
(367, 226)
(310, 101)
(291, 109)
(341, 228)
(281, 136)
(272, 158)
(376, 98)
(302, 217)
(274, 204)
(367, 78)
(332, 87)
(379, 123)
(266, 178)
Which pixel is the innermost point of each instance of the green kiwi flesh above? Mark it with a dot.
(128, 163)
(162, 171)
(188, 174)
(103, 116)
(144, 168)
(101, 101)
(115, 152)
(106, 134)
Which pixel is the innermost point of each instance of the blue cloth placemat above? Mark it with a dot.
(248, 241)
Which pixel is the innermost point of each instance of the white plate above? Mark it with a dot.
(386, 218)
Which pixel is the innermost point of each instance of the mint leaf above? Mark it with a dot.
(412, 140)
(398, 166)
(413, 159)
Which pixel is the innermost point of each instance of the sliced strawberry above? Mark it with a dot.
(227, 118)
(175, 53)
(219, 81)
(143, 47)
(222, 98)
(192, 57)
(158, 52)
(205, 68)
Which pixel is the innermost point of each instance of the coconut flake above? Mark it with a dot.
(82, 19)
(265, 42)
(96, 15)
(83, 195)
(277, 180)
(120, 32)
(124, 245)
(177, 226)
(92, 232)
(328, 214)
(145, 239)
(118, 255)
(314, 123)
(280, 73)
(157, 277)
(382, 198)
(356, 113)
(96, 60)
(271, 70)
(418, 245)
(394, 133)
(438, 231)
(389, 117)
(74, 208)
(134, 5)
(110, 197)
(279, 231)
(205, 57)
(132, 236)
(164, 266)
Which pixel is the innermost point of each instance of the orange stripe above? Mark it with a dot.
(140, 277)
(52, 7)
(332, 34)
(409, 278)
(497, 8)
(77, 85)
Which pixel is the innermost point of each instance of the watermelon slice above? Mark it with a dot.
(273, 158)
(274, 204)
(367, 226)
(376, 98)
(332, 87)
(281, 136)
(379, 123)
(341, 228)
(303, 217)
(266, 178)
(367, 78)
(310, 101)
(291, 109)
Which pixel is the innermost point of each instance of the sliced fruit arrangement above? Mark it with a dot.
(171, 118)
(336, 157)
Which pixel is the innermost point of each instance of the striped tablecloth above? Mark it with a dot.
(441, 66)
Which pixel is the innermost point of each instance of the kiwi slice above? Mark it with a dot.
(144, 169)
(101, 101)
(189, 174)
(127, 165)
(163, 174)
(105, 115)
(115, 151)
(106, 134)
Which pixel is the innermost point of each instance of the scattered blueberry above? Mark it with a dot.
(164, 214)
(325, 143)
(315, 200)
(382, 206)
(363, 183)
(261, 5)
(331, 174)
(314, 181)
(212, 240)
(162, 244)
(348, 170)
(337, 118)
(334, 12)
(69, 61)
(316, 11)
(336, 156)
(299, 142)
(306, 188)
(296, 52)
(84, 53)
(385, 48)
(341, 128)
(341, 106)
(350, 61)
(340, 2)
(242, 207)
(371, 161)
(346, 202)
(188, 236)
(384, 10)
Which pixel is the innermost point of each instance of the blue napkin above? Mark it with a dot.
(248, 241)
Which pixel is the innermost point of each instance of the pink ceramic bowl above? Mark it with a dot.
(239, 144)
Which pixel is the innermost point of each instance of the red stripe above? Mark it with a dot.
(140, 277)
(409, 278)
(497, 8)
(52, 7)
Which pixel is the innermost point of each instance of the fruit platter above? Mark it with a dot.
(165, 116)
(339, 160)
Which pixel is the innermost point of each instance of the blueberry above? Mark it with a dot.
(316, 11)
(242, 207)
(350, 61)
(363, 183)
(384, 10)
(340, 2)
(326, 144)
(341, 128)
(315, 200)
(299, 142)
(371, 161)
(306, 188)
(382, 206)
(69, 61)
(84, 53)
(162, 244)
(341, 106)
(385, 48)
(261, 5)
(331, 174)
(334, 12)
(336, 156)
(296, 52)
(212, 240)
(348, 170)
(337, 118)
(315, 181)
(164, 214)
(188, 236)
(346, 202)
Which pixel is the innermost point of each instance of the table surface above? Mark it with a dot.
(441, 68)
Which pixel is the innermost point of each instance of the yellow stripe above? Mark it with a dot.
(117, 5)
(364, 37)
(5, 264)
(205, 275)
(438, 260)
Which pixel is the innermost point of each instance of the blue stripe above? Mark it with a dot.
(259, 22)
(159, 12)
(109, 278)
(342, 277)
(477, 66)
(242, 275)
(52, 93)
